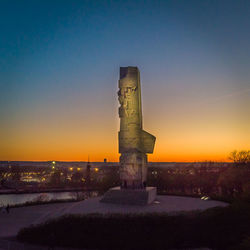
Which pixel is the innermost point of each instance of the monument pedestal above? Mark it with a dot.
(117, 195)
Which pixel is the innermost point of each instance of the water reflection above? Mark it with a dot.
(17, 199)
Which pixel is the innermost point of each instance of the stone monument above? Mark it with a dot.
(134, 144)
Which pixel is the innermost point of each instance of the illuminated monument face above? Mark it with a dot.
(134, 145)
(134, 142)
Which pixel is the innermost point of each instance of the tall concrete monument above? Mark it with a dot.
(134, 144)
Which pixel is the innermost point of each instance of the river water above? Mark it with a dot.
(17, 199)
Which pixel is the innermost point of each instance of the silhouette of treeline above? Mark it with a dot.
(208, 179)
(228, 183)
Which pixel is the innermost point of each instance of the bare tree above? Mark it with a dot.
(240, 157)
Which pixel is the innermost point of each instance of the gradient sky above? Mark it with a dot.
(59, 67)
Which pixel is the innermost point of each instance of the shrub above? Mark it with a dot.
(217, 228)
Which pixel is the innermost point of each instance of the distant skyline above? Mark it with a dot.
(59, 71)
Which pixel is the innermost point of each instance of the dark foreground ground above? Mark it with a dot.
(215, 228)
(20, 217)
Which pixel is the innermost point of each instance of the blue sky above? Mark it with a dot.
(59, 66)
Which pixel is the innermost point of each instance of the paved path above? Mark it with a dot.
(12, 244)
(21, 217)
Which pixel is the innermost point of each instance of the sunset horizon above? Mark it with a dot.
(59, 78)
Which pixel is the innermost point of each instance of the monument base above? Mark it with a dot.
(117, 195)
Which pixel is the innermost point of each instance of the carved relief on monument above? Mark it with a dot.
(126, 97)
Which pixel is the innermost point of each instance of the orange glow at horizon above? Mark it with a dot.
(173, 144)
(187, 129)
